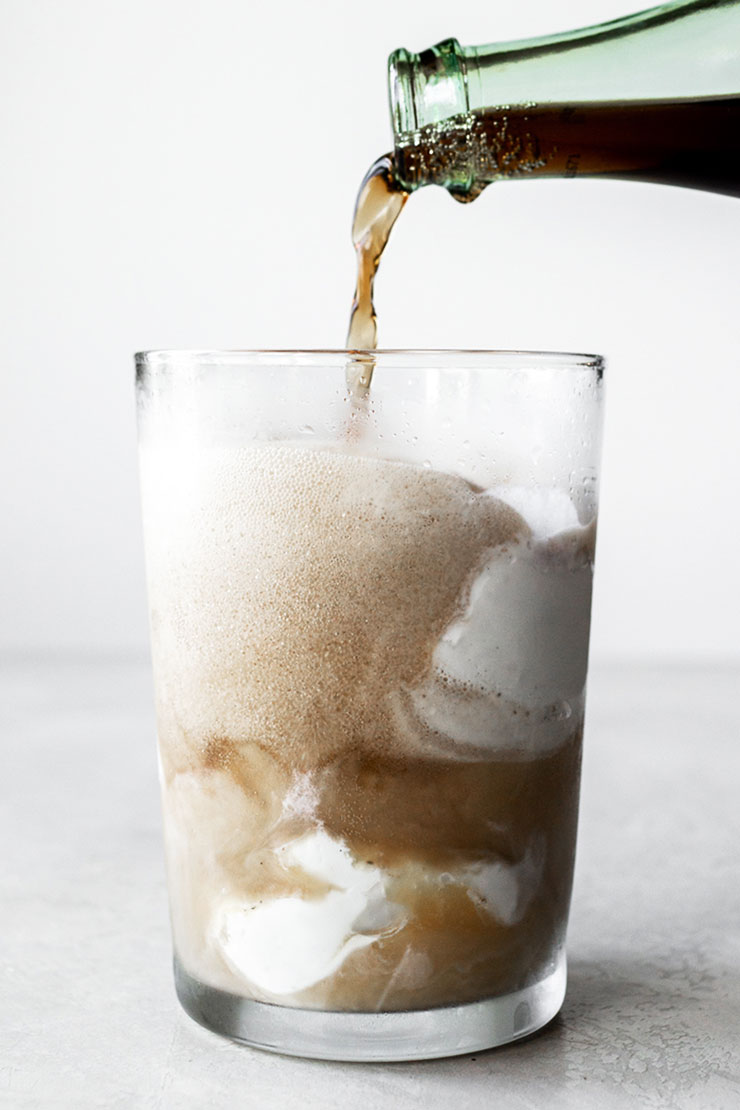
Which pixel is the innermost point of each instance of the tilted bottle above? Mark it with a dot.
(651, 97)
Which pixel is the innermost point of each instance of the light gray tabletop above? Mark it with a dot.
(88, 1016)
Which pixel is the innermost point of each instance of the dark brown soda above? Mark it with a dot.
(694, 143)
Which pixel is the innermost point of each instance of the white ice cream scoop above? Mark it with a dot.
(284, 945)
(510, 672)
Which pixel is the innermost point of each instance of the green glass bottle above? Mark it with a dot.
(652, 97)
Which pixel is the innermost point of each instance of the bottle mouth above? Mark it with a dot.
(401, 91)
(428, 92)
(427, 88)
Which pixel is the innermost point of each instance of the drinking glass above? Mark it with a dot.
(369, 621)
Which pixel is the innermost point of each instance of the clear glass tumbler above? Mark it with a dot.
(370, 623)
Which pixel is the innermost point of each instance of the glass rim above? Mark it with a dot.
(472, 356)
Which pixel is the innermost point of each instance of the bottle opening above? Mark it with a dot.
(428, 87)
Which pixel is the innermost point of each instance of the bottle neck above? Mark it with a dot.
(682, 50)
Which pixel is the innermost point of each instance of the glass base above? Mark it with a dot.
(402, 1035)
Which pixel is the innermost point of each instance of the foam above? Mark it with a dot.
(279, 614)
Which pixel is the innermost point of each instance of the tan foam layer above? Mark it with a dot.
(295, 592)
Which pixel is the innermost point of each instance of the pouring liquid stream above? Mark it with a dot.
(379, 204)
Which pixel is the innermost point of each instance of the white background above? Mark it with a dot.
(165, 173)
